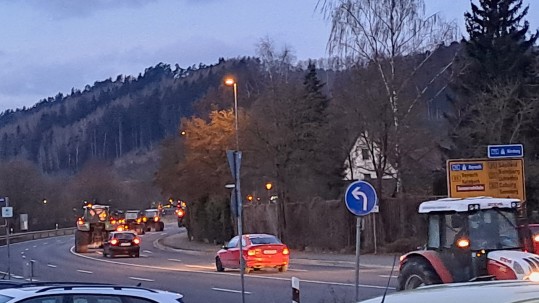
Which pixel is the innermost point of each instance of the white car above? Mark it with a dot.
(507, 291)
(86, 293)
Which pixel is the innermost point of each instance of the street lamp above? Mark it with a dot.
(234, 84)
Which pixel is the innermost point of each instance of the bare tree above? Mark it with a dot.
(389, 34)
(492, 113)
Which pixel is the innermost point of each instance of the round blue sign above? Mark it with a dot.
(360, 198)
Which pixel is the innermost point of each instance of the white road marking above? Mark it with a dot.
(131, 265)
(301, 270)
(22, 252)
(175, 260)
(27, 249)
(230, 290)
(34, 246)
(141, 279)
(387, 276)
(45, 243)
(32, 280)
(24, 257)
(84, 271)
(164, 234)
(148, 251)
(52, 266)
(200, 266)
(17, 277)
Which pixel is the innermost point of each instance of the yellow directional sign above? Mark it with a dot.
(499, 178)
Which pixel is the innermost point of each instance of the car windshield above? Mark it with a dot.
(4, 299)
(493, 229)
(265, 240)
(125, 236)
(131, 215)
(151, 213)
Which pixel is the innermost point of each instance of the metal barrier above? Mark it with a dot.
(33, 235)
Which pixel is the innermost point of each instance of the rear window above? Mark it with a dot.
(125, 236)
(265, 240)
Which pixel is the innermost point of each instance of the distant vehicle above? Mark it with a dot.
(85, 292)
(93, 228)
(122, 243)
(133, 220)
(181, 209)
(508, 291)
(259, 251)
(152, 220)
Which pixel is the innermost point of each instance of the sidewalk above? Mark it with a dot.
(180, 243)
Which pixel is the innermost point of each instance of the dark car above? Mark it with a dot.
(122, 243)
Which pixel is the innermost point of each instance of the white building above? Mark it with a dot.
(360, 165)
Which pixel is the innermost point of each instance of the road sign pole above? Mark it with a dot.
(237, 159)
(374, 230)
(358, 247)
(7, 244)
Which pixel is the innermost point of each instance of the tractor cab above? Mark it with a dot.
(467, 240)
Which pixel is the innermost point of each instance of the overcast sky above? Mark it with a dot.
(50, 46)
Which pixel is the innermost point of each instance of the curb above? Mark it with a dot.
(157, 244)
(334, 263)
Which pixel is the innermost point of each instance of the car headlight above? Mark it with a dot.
(534, 276)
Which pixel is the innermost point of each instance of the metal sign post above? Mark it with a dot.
(360, 199)
(234, 160)
(7, 212)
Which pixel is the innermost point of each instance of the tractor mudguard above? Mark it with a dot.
(434, 260)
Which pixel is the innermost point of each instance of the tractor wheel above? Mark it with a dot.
(415, 273)
(219, 265)
(283, 268)
(82, 239)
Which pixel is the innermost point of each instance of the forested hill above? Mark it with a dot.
(111, 118)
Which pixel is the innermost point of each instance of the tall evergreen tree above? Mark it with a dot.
(494, 100)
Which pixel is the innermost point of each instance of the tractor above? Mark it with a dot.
(470, 239)
(93, 228)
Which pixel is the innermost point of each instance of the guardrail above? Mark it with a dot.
(33, 235)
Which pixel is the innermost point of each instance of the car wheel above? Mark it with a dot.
(111, 255)
(104, 254)
(247, 270)
(415, 273)
(283, 268)
(219, 265)
(136, 255)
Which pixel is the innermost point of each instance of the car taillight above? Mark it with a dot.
(138, 220)
(286, 251)
(144, 219)
(113, 242)
(136, 240)
(536, 238)
(80, 221)
(155, 219)
(120, 228)
(113, 222)
(251, 252)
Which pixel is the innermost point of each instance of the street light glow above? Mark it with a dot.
(230, 81)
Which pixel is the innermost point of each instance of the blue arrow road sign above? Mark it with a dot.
(506, 151)
(360, 198)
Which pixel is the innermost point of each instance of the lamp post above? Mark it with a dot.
(234, 84)
(237, 156)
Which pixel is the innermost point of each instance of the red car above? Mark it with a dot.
(259, 251)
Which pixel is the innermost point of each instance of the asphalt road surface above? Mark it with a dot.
(192, 275)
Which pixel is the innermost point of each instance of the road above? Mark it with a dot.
(192, 275)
